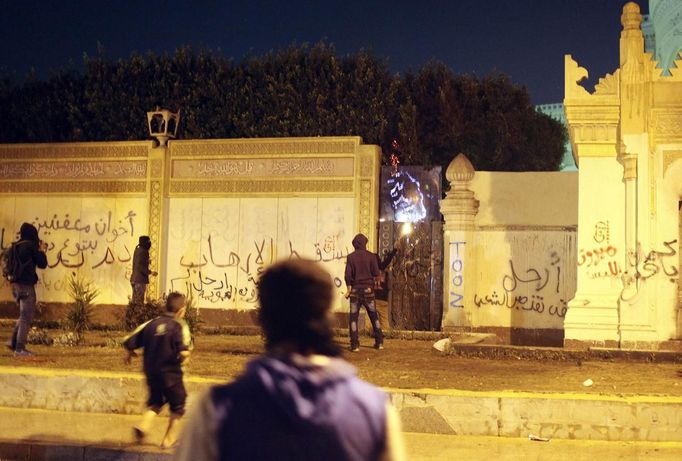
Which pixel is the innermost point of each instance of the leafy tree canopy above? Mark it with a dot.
(303, 90)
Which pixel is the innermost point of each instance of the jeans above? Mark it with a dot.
(139, 290)
(363, 298)
(25, 295)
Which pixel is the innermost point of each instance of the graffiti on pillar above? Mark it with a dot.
(600, 260)
(645, 265)
(457, 274)
(602, 233)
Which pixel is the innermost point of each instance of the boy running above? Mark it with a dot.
(165, 340)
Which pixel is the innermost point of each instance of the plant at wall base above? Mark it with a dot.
(192, 316)
(138, 313)
(79, 318)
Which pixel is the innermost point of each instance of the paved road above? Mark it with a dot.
(70, 428)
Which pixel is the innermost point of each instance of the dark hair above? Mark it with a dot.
(295, 302)
(173, 303)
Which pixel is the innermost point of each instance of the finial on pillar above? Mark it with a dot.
(460, 170)
(460, 206)
(631, 19)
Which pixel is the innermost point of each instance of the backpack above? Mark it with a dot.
(12, 267)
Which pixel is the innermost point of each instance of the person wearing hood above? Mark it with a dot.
(299, 401)
(362, 276)
(139, 279)
(27, 254)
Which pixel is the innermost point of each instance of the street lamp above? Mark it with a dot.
(163, 125)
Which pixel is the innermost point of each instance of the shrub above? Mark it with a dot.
(138, 313)
(83, 293)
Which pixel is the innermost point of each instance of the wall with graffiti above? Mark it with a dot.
(91, 236)
(524, 279)
(217, 247)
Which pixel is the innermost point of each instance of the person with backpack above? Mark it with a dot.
(20, 263)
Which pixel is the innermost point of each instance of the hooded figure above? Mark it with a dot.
(28, 254)
(362, 276)
(139, 278)
(362, 268)
(299, 401)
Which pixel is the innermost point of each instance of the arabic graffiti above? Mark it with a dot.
(223, 275)
(457, 275)
(527, 290)
(73, 243)
(644, 266)
(600, 262)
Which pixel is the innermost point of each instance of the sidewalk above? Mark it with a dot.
(40, 435)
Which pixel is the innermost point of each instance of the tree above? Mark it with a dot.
(300, 90)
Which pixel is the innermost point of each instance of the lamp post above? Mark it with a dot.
(163, 125)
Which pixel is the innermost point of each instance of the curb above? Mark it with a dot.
(476, 413)
(43, 451)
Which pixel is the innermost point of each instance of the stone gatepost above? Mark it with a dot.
(157, 217)
(459, 210)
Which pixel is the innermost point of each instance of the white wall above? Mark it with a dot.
(218, 246)
(517, 266)
(92, 236)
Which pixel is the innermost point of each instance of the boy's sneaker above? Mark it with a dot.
(23, 353)
(139, 435)
(355, 348)
(379, 346)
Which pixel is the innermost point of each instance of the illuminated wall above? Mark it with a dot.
(218, 211)
(511, 253)
(627, 136)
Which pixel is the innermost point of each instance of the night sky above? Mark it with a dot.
(523, 38)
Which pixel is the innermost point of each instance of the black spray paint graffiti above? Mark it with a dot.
(92, 244)
(648, 265)
(225, 284)
(642, 267)
(532, 281)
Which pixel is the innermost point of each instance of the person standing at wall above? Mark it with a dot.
(139, 279)
(21, 261)
(300, 401)
(362, 277)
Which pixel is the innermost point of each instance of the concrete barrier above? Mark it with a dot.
(502, 414)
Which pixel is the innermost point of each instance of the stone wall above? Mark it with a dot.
(512, 265)
(218, 212)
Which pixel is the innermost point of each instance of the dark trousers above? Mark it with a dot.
(139, 290)
(358, 299)
(25, 296)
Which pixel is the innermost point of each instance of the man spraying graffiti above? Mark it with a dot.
(362, 276)
(19, 268)
(139, 279)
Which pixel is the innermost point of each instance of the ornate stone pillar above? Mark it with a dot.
(459, 210)
(157, 216)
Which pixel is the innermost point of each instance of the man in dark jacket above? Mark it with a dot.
(300, 401)
(166, 343)
(362, 277)
(29, 253)
(139, 278)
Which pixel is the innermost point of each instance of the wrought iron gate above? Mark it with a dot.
(415, 277)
